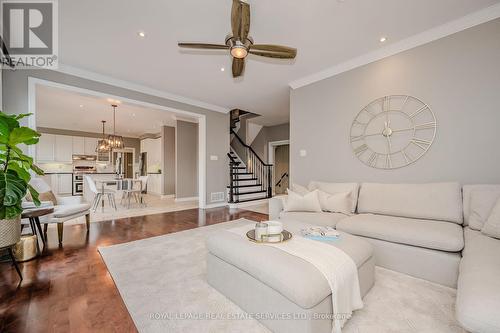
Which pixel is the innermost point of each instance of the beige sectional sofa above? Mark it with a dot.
(418, 229)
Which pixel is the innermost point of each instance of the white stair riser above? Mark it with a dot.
(240, 177)
(251, 196)
(249, 189)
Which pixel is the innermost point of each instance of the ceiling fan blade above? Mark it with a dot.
(273, 51)
(240, 19)
(238, 67)
(203, 46)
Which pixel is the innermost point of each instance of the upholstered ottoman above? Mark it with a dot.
(284, 292)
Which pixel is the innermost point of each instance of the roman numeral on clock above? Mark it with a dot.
(430, 125)
(360, 150)
(372, 161)
(419, 111)
(421, 143)
(357, 138)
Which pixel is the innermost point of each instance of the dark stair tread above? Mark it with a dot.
(252, 192)
(235, 186)
(242, 173)
(246, 200)
(239, 168)
(243, 179)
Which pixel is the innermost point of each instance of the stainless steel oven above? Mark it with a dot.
(78, 172)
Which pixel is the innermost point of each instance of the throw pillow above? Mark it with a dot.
(481, 205)
(299, 189)
(492, 226)
(46, 196)
(298, 203)
(335, 203)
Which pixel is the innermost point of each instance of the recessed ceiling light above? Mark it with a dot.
(141, 34)
(382, 39)
(222, 69)
(133, 114)
(81, 105)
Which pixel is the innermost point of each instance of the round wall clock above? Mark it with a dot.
(393, 132)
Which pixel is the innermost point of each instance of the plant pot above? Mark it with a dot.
(10, 232)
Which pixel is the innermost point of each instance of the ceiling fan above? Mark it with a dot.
(240, 44)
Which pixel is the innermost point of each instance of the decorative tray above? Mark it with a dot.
(274, 238)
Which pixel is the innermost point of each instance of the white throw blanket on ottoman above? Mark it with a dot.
(338, 268)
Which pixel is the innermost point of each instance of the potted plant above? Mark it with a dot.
(15, 174)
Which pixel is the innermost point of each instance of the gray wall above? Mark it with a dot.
(187, 160)
(457, 76)
(269, 134)
(129, 142)
(168, 152)
(15, 100)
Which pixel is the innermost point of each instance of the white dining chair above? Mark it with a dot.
(98, 195)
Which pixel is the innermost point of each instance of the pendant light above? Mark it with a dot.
(102, 144)
(115, 141)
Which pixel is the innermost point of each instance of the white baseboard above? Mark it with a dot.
(167, 196)
(246, 204)
(216, 205)
(186, 199)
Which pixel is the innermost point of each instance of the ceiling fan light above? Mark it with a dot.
(239, 51)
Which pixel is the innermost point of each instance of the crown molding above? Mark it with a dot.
(70, 70)
(465, 22)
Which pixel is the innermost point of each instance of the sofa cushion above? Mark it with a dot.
(68, 210)
(319, 219)
(436, 235)
(467, 191)
(437, 201)
(296, 279)
(478, 292)
(333, 188)
(492, 226)
(481, 205)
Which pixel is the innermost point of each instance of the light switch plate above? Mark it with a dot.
(214, 158)
(303, 153)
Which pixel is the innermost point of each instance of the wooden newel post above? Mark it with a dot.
(231, 189)
(269, 181)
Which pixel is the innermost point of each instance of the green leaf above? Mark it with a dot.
(21, 171)
(37, 170)
(4, 131)
(12, 212)
(35, 195)
(10, 120)
(23, 135)
(12, 188)
(23, 115)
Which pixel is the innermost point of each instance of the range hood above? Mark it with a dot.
(84, 157)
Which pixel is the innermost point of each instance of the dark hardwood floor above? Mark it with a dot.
(69, 289)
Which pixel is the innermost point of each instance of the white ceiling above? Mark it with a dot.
(101, 36)
(63, 109)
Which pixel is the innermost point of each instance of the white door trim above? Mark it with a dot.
(202, 163)
(270, 150)
(270, 157)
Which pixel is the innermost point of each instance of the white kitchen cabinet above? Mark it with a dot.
(154, 184)
(64, 148)
(153, 149)
(45, 148)
(64, 184)
(90, 146)
(78, 145)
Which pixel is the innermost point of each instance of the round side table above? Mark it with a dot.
(34, 217)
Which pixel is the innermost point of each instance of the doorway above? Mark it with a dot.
(279, 156)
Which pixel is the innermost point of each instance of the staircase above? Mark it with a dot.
(250, 178)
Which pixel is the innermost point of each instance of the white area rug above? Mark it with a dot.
(162, 281)
(154, 205)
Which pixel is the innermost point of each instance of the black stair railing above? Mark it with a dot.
(254, 165)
